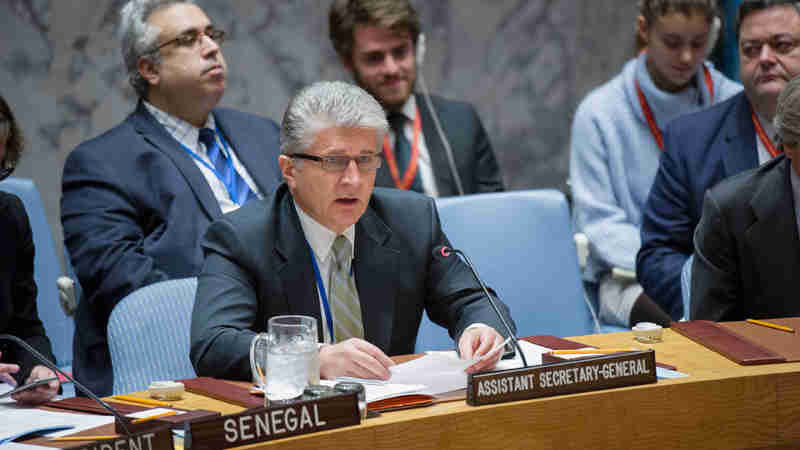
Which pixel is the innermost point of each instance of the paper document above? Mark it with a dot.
(434, 373)
(5, 387)
(533, 355)
(153, 412)
(379, 391)
(20, 421)
(18, 446)
(666, 374)
(439, 371)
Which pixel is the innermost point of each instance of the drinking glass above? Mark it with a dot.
(291, 360)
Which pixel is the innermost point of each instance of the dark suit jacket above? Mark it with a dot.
(472, 152)
(701, 149)
(134, 208)
(18, 315)
(258, 265)
(747, 248)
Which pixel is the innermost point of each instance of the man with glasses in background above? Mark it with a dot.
(329, 245)
(137, 199)
(704, 148)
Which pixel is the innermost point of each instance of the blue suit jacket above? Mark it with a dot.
(134, 208)
(701, 149)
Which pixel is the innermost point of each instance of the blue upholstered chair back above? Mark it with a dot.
(521, 242)
(148, 335)
(58, 326)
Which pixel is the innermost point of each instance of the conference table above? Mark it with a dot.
(720, 405)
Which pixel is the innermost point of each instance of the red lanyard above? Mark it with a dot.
(411, 172)
(764, 139)
(648, 113)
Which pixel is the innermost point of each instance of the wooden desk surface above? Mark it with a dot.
(720, 405)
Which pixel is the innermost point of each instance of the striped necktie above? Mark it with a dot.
(238, 189)
(344, 296)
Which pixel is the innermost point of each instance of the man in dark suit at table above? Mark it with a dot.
(380, 44)
(137, 200)
(325, 245)
(703, 148)
(747, 244)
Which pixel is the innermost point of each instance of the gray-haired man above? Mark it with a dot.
(137, 199)
(283, 260)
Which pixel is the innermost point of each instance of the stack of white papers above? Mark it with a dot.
(375, 390)
(434, 373)
(21, 421)
(440, 372)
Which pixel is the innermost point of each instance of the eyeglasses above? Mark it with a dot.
(365, 163)
(192, 38)
(780, 44)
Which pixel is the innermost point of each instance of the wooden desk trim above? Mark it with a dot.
(720, 405)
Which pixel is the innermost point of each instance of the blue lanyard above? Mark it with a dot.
(323, 294)
(230, 187)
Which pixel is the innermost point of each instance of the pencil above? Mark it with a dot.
(770, 325)
(142, 401)
(157, 416)
(85, 438)
(592, 351)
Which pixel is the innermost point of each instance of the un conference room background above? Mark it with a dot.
(524, 64)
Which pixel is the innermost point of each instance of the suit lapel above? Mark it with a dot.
(249, 151)
(146, 125)
(293, 264)
(374, 267)
(740, 152)
(436, 150)
(774, 235)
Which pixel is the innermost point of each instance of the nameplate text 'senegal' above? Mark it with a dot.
(266, 424)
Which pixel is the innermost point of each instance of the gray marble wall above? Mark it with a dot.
(525, 64)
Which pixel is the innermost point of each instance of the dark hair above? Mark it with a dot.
(750, 6)
(651, 10)
(344, 15)
(11, 135)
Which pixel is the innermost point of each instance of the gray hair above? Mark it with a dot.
(787, 114)
(328, 104)
(138, 38)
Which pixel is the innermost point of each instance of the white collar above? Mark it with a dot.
(768, 126)
(319, 237)
(409, 109)
(183, 131)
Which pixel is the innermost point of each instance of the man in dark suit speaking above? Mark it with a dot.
(137, 199)
(747, 245)
(326, 245)
(380, 44)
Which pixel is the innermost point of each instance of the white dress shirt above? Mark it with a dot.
(424, 165)
(769, 130)
(188, 134)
